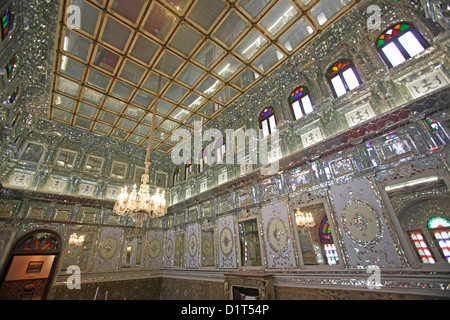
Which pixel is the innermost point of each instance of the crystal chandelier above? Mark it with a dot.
(76, 240)
(138, 204)
(304, 219)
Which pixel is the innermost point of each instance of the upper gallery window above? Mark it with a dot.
(187, 170)
(220, 151)
(300, 102)
(7, 21)
(399, 43)
(203, 161)
(10, 67)
(176, 175)
(267, 121)
(343, 77)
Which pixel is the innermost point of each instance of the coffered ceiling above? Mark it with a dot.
(208, 53)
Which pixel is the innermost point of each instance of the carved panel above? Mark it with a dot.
(278, 237)
(227, 242)
(364, 230)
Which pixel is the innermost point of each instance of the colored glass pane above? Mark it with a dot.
(10, 67)
(266, 113)
(14, 95)
(6, 23)
(325, 230)
(297, 93)
(338, 66)
(391, 33)
(39, 242)
(327, 241)
(421, 247)
(443, 239)
(438, 222)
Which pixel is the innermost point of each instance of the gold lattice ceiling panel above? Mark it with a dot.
(208, 52)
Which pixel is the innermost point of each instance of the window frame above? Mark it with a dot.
(203, 161)
(267, 118)
(12, 23)
(188, 170)
(435, 240)
(299, 99)
(399, 46)
(220, 151)
(339, 73)
(176, 175)
(416, 249)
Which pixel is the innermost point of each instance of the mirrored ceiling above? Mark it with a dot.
(207, 52)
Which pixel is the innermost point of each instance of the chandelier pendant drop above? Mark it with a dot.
(138, 204)
(304, 219)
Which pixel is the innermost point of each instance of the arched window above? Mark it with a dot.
(203, 161)
(300, 102)
(10, 67)
(41, 241)
(7, 21)
(327, 241)
(267, 121)
(343, 77)
(399, 43)
(187, 169)
(421, 246)
(440, 228)
(220, 151)
(176, 175)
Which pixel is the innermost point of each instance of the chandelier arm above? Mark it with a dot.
(150, 140)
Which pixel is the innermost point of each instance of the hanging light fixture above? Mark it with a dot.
(76, 240)
(304, 219)
(138, 204)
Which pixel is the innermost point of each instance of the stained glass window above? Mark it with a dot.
(438, 222)
(176, 175)
(220, 150)
(187, 170)
(439, 136)
(327, 242)
(6, 23)
(39, 242)
(440, 227)
(343, 77)
(421, 247)
(267, 121)
(10, 67)
(399, 43)
(300, 102)
(13, 96)
(203, 160)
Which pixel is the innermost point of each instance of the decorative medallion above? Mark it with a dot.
(169, 248)
(361, 222)
(108, 248)
(154, 248)
(73, 252)
(192, 245)
(226, 241)
(277, 235)
(206, 247)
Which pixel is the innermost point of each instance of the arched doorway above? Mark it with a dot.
(31, 266)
